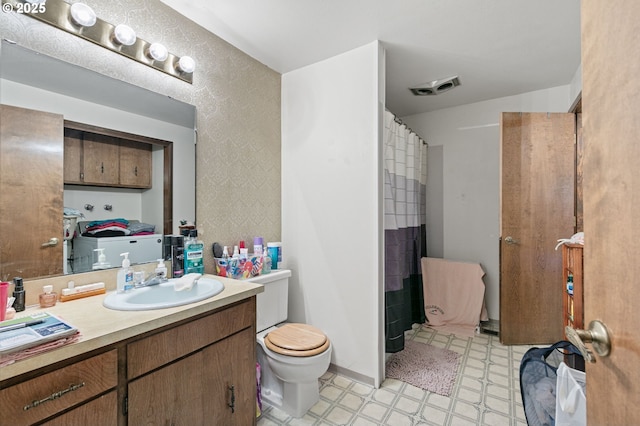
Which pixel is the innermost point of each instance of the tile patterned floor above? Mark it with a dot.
(486, 392)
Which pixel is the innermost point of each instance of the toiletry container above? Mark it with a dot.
(193, 254)
(48, 298)
(272, 250)
(125, 275)
(292, 356)
(102, 260)
(4, 286)
(257, 245)
(19, 294)
(161, 269)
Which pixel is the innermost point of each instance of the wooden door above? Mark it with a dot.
(135, 164)
(31, 187)
(100, 411)
(101, 159)
(231, 379)
(537, 208)
(171, 395)
(611, 124)
(73, 164)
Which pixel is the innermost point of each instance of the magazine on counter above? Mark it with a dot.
(32, 330)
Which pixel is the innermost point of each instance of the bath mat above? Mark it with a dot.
(424, 366)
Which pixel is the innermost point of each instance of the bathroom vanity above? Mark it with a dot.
(189, 365)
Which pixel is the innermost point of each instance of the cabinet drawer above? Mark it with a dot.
(51, 393)
(157, 350)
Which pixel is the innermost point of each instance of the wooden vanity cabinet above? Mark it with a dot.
(199, 371)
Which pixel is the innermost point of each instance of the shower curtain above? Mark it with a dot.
(405, 177)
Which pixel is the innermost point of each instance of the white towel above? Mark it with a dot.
(186, 281)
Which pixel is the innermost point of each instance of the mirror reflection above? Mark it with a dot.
(90, 167)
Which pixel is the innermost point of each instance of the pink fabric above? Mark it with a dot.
(453, 295)
(10, 358)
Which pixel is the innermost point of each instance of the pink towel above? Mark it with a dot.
(453, 295)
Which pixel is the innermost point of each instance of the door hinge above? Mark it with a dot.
(125, 405)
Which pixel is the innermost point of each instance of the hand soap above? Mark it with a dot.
(161, 269)
(49, 297)
(125, 275)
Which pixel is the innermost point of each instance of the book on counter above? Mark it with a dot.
(32, 330)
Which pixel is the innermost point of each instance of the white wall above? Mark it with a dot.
(130, 204)
(331, 204)
(467, 192)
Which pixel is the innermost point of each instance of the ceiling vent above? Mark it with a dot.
(436, 87)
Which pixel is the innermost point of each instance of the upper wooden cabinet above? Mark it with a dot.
(92, 158)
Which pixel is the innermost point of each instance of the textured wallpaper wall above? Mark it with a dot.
(238, 110)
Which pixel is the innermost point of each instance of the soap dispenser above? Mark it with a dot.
(125, 275)
(161, 269)
(102, 260)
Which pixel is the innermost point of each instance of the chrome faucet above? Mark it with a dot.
(152, 279)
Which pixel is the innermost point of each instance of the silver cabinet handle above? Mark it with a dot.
(597, 335)
(52, 242)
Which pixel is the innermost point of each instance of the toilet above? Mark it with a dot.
(292, 356)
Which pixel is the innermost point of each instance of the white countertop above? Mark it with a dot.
(100, 326)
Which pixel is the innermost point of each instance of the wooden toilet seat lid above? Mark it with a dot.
(297, 340)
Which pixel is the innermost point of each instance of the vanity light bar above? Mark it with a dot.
(123, 41)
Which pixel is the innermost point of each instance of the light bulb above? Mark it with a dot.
(157, 52)
(124, 34)
(82, 15)
(186, 64)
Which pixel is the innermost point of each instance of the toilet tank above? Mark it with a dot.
(272, 304)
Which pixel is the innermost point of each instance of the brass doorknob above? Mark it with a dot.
(510, 240)
(597, 335)
(52, 242)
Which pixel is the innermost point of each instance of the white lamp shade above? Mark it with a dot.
(158, 52)
(124, 35)
(82, 14)
(186, 64)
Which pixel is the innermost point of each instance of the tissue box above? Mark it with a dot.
(239, 268)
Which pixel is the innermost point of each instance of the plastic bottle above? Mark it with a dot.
(570, 284)
(161, 269)
(257, 246)
(125, 275)
(272, 250)
(193, 254)
(19, 294)
(266, 262)
(102, 260)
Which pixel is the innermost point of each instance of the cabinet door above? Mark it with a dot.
(135, 164)
(101, 160)
(73, 170)
(230, 385)
(172, 395)
(101, 411)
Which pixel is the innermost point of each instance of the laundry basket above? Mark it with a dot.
(538, 378)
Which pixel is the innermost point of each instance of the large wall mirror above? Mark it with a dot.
(45, 101)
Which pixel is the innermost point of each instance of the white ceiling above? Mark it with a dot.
(496, 47)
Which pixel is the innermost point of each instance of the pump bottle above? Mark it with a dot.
(125, 275)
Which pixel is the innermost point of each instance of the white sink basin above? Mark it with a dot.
(162, 296)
